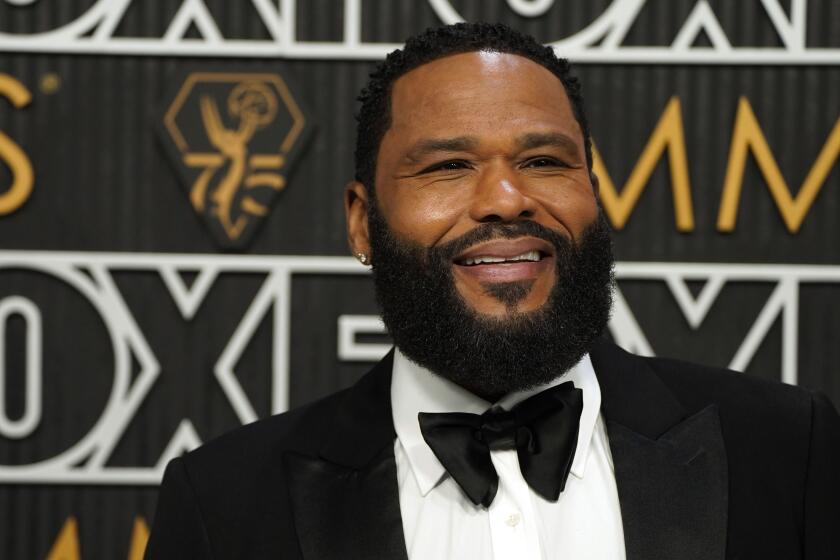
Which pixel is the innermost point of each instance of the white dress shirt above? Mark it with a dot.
(440, 521)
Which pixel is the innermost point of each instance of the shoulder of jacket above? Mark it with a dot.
(732, 390)
(301, 429)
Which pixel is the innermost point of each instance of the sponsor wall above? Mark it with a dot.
(172, 255)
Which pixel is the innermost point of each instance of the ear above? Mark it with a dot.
(356, 202)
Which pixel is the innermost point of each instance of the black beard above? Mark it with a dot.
(433, 326)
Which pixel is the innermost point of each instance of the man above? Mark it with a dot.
(501, 426)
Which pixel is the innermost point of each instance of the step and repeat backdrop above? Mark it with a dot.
(172, 254)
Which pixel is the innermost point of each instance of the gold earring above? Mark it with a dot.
(363, 258)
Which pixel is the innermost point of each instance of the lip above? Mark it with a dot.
(509, 271)
(506, 248)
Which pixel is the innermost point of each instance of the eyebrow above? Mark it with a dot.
(527, 141)
(433, 145)
(540, 139)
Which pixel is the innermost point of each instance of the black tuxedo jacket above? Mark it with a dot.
(709, 465)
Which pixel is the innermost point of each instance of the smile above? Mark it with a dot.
(506, 260)
(529, 256)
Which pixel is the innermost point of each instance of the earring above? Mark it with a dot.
(363, 258)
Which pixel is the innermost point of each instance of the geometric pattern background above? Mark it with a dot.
(132, 328)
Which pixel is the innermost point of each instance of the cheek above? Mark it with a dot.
(424, 217)
(575, 208)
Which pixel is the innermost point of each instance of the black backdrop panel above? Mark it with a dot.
(134, 324)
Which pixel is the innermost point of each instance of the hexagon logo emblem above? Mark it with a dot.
(233, 136)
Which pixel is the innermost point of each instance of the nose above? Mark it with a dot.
(499, 196)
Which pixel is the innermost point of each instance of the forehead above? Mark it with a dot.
(475, 92)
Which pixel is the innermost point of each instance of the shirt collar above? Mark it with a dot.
(415, 389)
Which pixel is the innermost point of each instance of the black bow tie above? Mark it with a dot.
(543, 429)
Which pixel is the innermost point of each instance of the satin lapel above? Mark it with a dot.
(670, 465)
(673, 490)
(346, 501)
(344, 514)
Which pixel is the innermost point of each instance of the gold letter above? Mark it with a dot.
(669, 135)
(748, 135)
(66, 545)
(139, 538)
(15, 158)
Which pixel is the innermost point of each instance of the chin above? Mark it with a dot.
(502, 306)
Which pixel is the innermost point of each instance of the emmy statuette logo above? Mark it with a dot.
(233, 137)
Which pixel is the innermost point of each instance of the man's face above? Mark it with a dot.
(492, 264)
(485, 137)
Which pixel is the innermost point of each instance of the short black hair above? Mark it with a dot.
(374, 117)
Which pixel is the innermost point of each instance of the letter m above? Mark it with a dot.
(668, 135)
(748, 135)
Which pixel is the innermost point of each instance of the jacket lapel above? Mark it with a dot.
(670, 465)
(345, 501)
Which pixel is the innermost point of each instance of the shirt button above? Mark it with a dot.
(513, 519)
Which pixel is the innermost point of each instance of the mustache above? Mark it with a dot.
(498, 230)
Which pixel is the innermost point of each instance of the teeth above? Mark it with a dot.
(533, 256)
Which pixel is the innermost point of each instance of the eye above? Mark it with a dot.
(543, 161)
(449, 165)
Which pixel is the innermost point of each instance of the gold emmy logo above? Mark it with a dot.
(233, 137)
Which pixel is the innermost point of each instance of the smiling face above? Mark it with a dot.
(491, 262)
(480, 138)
